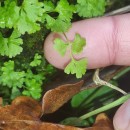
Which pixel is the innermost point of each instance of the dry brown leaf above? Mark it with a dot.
(51, 126)
(55, 98)
(102, 123)
(24, 114)
(1, 101)
(22, 110)
(102, 120)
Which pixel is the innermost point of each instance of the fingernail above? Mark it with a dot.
(121, 119)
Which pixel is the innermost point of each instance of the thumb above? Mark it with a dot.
(108, 42)
(122, 117)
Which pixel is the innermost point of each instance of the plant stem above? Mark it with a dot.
(107, 107)
(66, 37)
(99, 81)
(126, 70)
(71, 55)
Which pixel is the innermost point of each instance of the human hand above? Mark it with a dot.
(108, 43)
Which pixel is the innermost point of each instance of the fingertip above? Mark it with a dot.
(52, 56)
(121, 119)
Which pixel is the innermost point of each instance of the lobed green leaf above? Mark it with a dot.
(76, 67)
(10, 77)
(60, 46)
(24, 18)
(90, 8)
(11, 46)
(37, 60)
(78, 44)
(63, 21)
(9, 14)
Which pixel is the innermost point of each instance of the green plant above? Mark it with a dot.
(93, 101)
(23, 82)
(90, 8)
(24, 24)
(77, 67)
(85, 8)
(23, 27)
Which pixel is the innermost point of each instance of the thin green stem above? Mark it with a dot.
(71, 54)
(126, 70)
(66, 37)
(107, 107)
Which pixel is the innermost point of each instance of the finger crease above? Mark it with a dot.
(115, 42)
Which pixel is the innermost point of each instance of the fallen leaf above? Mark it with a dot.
(17, 115)
(102, 123)
(1, 101)
(51, 126)
(102, 120)
(28, 106)
(55, 98)
(24, 114)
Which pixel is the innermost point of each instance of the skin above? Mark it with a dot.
(108, 43)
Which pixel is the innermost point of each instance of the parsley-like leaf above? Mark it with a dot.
(78, 44)
(60, 46)
(63, 20)
(32, 89)
(24, 18)
(90, 8)
(11, 46)
(10, 77)
(65, 10)
(76, 67)
(9, 14)
(36, 61)
(57, 25)
(33, 84)
(48, 6)
(30, 13)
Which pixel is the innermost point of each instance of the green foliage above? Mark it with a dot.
(15, 93)
(90, 8)
(63, 21)
(36, 61)
(87, 98)
(78, 44)
(23, 25)
(24, 18)
(48, 6)
(87, 101)
(9, 14)
(57, 25)
(11, 46)
(60, 46)
(30, 13)
(24, 82)
(77, 67)
(23, 68)
(74, 121)
(28, 16)
(33, 84)
(10, 77)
